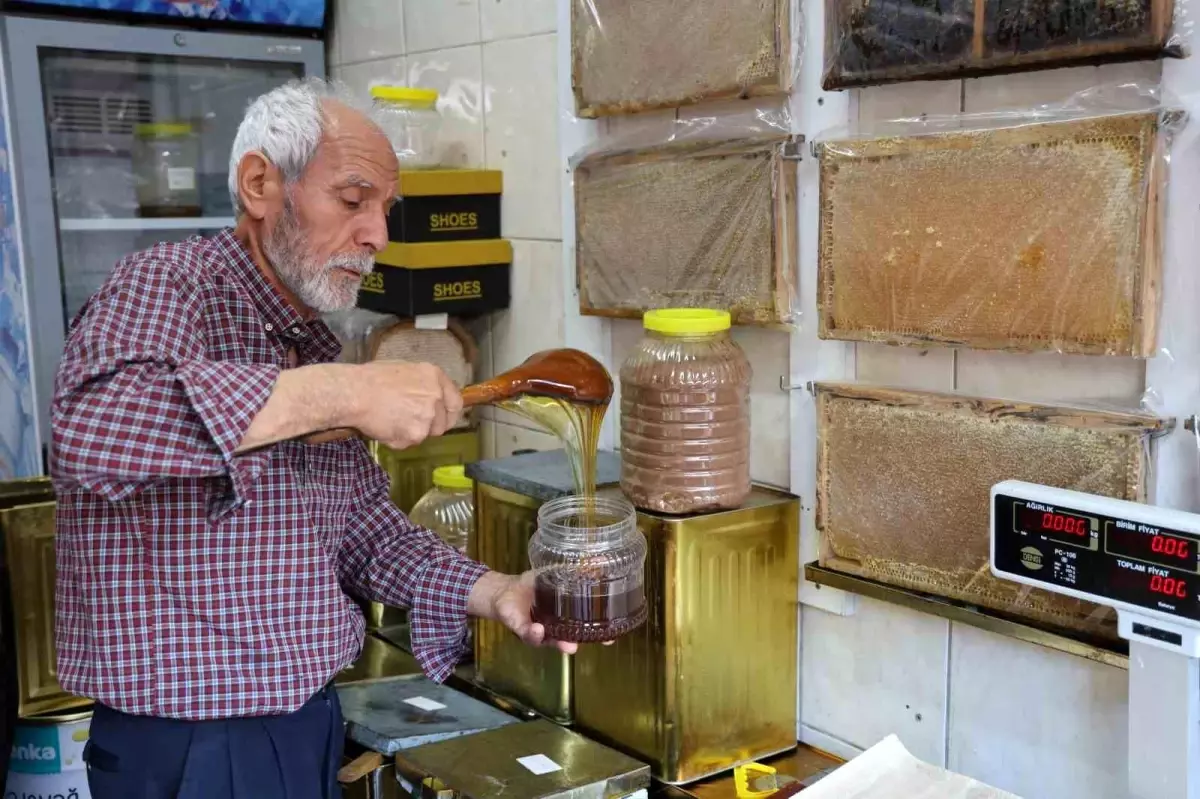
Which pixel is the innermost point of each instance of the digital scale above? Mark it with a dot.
(1145, 562)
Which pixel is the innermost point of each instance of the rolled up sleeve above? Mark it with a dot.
(136, 399)
(386, 558)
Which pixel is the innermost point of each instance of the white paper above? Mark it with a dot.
(432, 321)
(424, 704)
(539, 764)
(888, 771)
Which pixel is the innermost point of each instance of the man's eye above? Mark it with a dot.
(353, 205)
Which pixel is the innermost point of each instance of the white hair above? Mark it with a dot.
(285, 125)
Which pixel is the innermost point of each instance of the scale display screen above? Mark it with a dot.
(1113, 551)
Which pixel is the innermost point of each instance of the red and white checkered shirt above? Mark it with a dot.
(192, 582)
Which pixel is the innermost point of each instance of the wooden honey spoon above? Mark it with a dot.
(566, 374)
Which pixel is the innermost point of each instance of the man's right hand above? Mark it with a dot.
(397, 403)
(401, 404)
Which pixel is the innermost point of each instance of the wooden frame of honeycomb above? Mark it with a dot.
(707, 224)
(643, 55)
(884, 41)
(903, 482)
(1044, 236)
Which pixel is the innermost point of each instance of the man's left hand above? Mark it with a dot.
(508, 599)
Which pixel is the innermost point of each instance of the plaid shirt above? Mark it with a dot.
(193, 582)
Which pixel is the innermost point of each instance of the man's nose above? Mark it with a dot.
(374, 233)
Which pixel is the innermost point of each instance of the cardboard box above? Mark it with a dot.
(460, 278)
(437, 205)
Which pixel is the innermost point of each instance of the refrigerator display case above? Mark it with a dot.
(99, 113)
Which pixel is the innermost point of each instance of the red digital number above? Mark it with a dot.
(1168, 586)
(1063, 524)
(1165, 545)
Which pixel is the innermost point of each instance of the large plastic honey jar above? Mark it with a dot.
(685, 414)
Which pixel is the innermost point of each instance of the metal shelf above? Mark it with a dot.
(166, 223)
(1111, 653)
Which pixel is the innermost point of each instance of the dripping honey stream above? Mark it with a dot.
(565, 391)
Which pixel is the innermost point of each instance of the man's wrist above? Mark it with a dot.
(481, 602)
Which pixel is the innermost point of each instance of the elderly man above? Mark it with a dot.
(207, 531)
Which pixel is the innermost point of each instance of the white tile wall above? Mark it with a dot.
(522, 133)
(438, 24)
(373, 31)
(878, 672)
(361, 77)
(1034, 721)
(534, 321)
(457, 75)
(510, 19)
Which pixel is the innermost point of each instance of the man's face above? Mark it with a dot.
(334, 219)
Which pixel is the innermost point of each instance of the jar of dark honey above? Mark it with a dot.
(685, 414)
(589, 562)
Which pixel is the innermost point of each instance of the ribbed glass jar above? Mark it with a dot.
(685, 415)
(589, 557)
(449, 507)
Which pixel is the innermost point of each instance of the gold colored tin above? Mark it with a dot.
(27, 529)
(709, 681)
(411, 470)
(486, 765)
(411, 474)
(537, 678)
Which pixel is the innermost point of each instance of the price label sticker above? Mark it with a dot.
(539, 764)
(424, 704)
(181, 178)
(432, 321)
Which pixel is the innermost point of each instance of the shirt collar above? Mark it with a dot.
(279, 318)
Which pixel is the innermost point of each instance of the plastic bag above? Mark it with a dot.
(628, 57)
(1032, 230)
(884, 41)
(904, 480)
(701, 217)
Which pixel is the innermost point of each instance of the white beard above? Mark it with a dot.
(314, 284)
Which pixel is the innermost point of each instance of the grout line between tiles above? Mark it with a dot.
(481, 43)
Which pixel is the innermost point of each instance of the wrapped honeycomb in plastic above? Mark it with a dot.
(884, 41)
(631, 55)
(904, 480)
(1021, 231)
(691, 223)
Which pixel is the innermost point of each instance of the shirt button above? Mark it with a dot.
(296, 330)
(269, 327)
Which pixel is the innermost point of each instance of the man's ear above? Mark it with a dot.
(260, 185)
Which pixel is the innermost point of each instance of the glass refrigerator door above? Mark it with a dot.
(124, 136)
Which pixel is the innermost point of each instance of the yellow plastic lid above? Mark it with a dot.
(403, 94)
(686, 321)
(163, 129)
(452, 477)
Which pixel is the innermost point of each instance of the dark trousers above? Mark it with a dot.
(295, 756)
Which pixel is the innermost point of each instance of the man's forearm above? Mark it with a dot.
(311, 399)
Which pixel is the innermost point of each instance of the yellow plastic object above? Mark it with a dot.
(452, 477)
(403, 94)
(151, 130)
(686, 321)
(741, 780)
